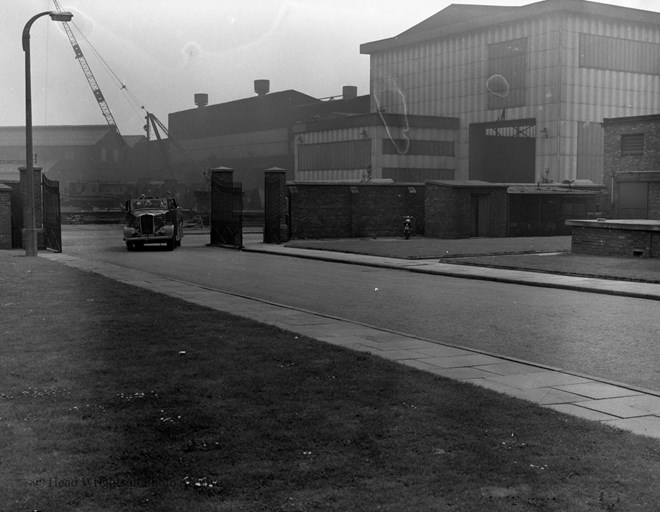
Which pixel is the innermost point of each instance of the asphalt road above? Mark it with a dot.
(608, 337)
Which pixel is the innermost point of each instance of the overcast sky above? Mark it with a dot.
(165, 51)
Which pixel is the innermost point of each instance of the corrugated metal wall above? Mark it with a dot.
(309, 168)
(448, 78)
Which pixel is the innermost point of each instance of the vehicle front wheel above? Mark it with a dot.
(130, 246)
(171, 244)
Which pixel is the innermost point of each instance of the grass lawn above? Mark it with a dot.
(101, 410)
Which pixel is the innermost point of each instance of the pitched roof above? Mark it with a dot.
(457, 18)
(68, 135)
(266, 112)
(132, 140)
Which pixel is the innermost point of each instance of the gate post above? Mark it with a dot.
(275, 206)
(36, 197)
(226, 209)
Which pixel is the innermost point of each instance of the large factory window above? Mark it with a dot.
(619, 54)
(355, 154)
(418, 147)
(507, 74)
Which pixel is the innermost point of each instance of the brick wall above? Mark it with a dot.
(341, 210)
(449, 210)
(5, 217)
(649, 160)
(616, 165)
(654, 200)
(441, 212)
(615, 242)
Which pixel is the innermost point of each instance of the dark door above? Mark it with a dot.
(480, 218)
(633, 200)
(503, 151)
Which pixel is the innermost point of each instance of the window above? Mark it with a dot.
(619, 54)
(632, 144)
(418, 147)
(334, 155)
(104, 155)
(507, 74)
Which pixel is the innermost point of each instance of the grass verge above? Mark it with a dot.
(101, 410)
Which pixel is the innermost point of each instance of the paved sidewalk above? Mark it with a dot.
(636, 410)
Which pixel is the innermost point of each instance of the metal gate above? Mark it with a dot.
(52, 220)
(226, 212)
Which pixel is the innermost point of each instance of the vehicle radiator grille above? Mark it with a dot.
(147, 224)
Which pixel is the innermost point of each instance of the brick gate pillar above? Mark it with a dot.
(220, 212)
(38, 214)
(276, 209)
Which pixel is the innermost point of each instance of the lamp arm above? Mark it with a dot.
(26, 29)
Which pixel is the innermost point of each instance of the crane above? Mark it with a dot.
(105, 109)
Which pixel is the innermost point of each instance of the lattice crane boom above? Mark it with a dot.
(100, 99)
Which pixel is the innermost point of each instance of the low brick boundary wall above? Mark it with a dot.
(625, 238)
(347, 210)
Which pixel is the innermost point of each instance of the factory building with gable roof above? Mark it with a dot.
(529, 86)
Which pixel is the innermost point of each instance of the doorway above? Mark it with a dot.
(480, 215)
(503, 151)
(633, 200)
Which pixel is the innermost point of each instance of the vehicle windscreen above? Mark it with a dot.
(140, 204)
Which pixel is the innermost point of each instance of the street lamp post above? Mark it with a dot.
(30, 231)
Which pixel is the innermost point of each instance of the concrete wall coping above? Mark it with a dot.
(627, 224)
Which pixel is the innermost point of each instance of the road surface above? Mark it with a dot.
(604, 336)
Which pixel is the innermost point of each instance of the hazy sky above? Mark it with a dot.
(165, 51)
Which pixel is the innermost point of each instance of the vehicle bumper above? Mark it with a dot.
(156, 239)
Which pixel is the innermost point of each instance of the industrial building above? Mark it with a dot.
(529, 86)
(68, 153)
(252, 134)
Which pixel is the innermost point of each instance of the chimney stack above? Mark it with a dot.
(262, 87)
(201, 99)
(349, 92)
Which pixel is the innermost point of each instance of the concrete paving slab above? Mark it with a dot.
(598, 390)
(581, 412)
(399, 355)
(420, 364)
(509, 368)
(344, 341)
(647, 426)
(619, 407)
(540, 396)
(466, 373)
(459, 361)
(649, 403)
(539, 379)
(627, 407)
(409, 344)
(389, 337)
(443, 351)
